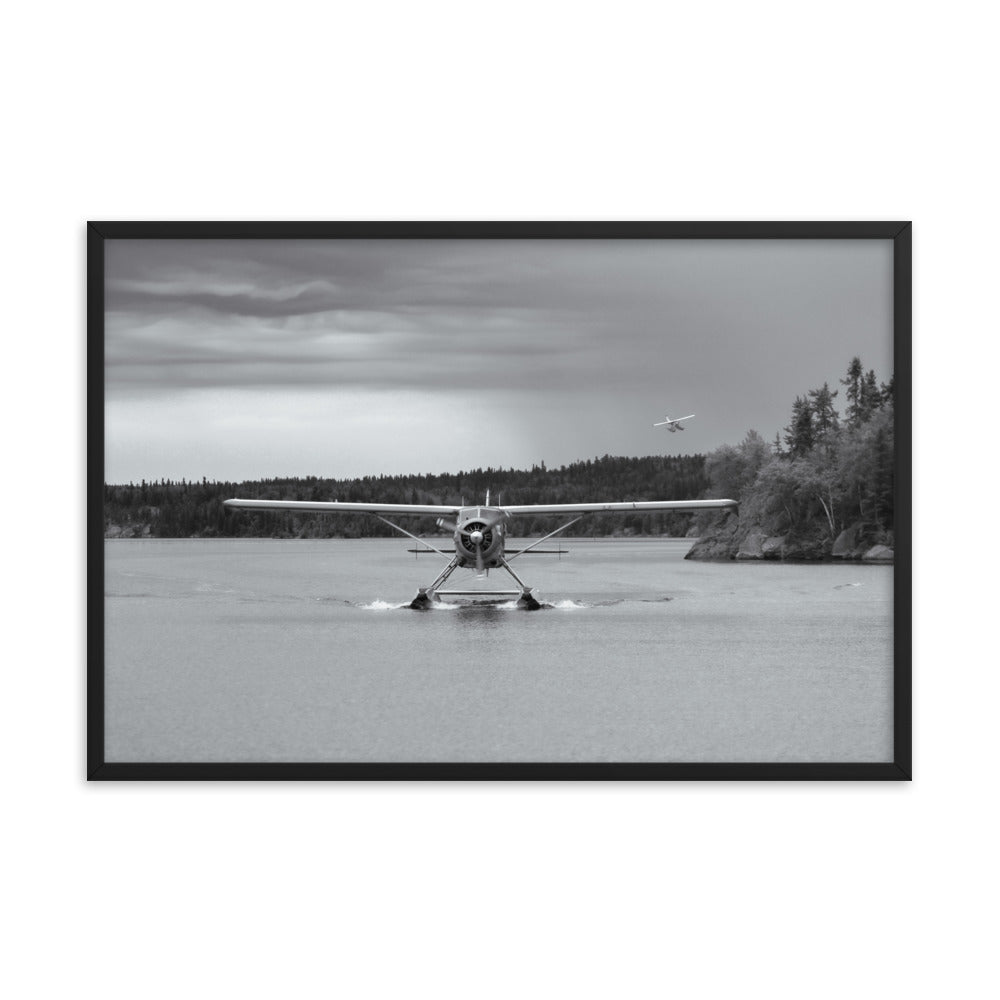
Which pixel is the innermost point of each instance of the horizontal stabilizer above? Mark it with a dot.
(509, 552)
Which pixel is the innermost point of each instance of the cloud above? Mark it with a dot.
(578, 341)
(182, 316)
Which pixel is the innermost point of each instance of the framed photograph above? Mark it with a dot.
(499, 500)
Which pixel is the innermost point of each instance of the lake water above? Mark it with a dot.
(266, 650)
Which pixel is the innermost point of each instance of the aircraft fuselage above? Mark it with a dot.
(482, 529)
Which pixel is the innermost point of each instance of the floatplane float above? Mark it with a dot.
(479, 535)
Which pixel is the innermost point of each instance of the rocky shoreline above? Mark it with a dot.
(732, 541)
(128, 531)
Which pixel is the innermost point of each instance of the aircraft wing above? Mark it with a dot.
(621, 508)
(336, 507)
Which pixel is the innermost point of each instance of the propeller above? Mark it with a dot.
(476, 534)
(476, 537)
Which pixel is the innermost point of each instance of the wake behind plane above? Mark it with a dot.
(479, 534)
(673, 424)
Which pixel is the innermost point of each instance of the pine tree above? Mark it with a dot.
(855, 376)
(882, 478)
(800, 434)
(871, 397)
(825, 419)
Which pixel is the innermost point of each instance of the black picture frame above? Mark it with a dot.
(900, 768)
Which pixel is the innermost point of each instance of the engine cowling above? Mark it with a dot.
(479, 540)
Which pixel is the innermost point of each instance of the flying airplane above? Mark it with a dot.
(675, 424)
(478, 534)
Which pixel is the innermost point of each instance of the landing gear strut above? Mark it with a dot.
(428, 596)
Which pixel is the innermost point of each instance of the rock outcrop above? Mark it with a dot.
(846, 543)
(752, 546)
(859, 541)
(127, 531)
(773, 547)
(726, 538)
(720, 542)
(879, 553)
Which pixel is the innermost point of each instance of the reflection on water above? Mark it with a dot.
(270, 650)
(483, 616)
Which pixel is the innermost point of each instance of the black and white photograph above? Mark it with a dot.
(506, 497)
(494, 508)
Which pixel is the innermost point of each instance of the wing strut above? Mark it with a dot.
(414, 537)
(540, 540)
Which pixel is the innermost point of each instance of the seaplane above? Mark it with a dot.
(478, 536)
(674, 424)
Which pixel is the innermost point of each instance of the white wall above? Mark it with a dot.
(522, 110)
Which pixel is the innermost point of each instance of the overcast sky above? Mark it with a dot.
(246, 359)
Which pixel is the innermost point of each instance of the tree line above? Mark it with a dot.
(170, 509)
(827, 472)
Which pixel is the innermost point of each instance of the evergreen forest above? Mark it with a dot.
(168, 509)
(830, 474)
